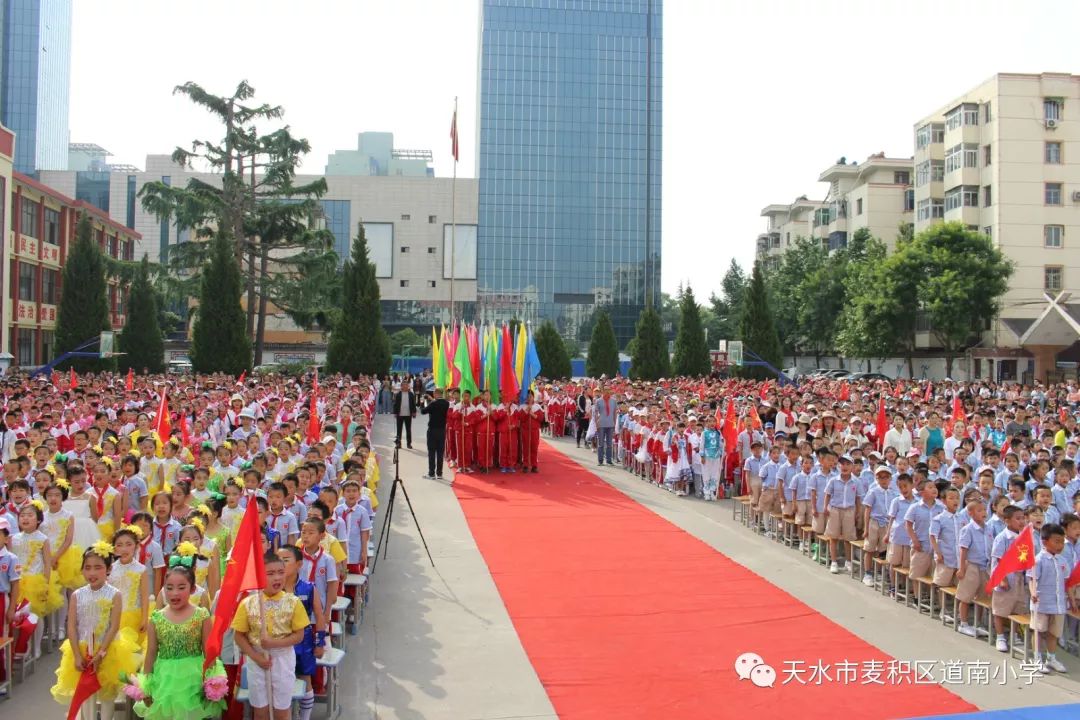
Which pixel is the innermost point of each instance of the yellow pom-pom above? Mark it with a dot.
(199, 524)
(107, 462)
(187, 549)
(38, 504)
(204, 510)
(62, 483)
(135, 530)
(51, 469)
(98, 450)
(102, 549)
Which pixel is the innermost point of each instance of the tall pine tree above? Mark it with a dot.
(219, 340)
(359, 345)
(84, 307)
(757, 329)
(550, 348)
(141, 340)
(649, 360)
(603, 356)
(691, 351)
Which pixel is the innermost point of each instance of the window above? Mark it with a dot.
(48, 343)
(26, 346)
(406, 217)
(431, 251)
(986, 113)
(986, 156)
(119, 301)
(52, 226)
(858, 206)
(952, 199)
(403, 283)
(28, 217)
(901, 177)
(971, 196)
(988, 231)
(922, 137)
(1053, 236)
(48, 286)
(971, 156)
(1052, 277)
(787, 238)
(404, 248)
(1053, 193)
(937, 209)
(431, 219)
(937, 133)
(963, 196)
(923, 210)
(1053, 153)
(952, 119)
(987, 196)
(112, 246)
(27, 281)
(431, 283)
(909, 200)
(1052, 108)
(953, 158)
(922, 173)
(937, 170)
(971, 114)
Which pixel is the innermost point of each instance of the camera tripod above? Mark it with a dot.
(384, 532)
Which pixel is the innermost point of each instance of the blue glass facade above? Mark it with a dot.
(35, 81)
(336, 213)
(570, 159)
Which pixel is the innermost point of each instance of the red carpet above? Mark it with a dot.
(624, 615)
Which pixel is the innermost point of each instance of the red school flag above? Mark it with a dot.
(1019, 556)
(243, 374)
(755, 419)
(185, 434)
(73, 380)
(55, 378)
(730, 431)
(845, 391)
(1074, 578)
(763, 393)
(898, 391)
(929, 392)
(129, 384)
(88, 685)
(313, 427)
(162, 426)
(882, 425)
(1063, 415)
(244, 571)
(508, 382)
(958, 413)
(453, 135)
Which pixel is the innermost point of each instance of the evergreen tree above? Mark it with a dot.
(603, 356)
(649, 357)
(141, 340)
(550, 348)
(219, 340)
(84, 306)
(757, 329)
(691, 350)
(359, 345)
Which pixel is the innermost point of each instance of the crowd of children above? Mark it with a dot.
(116, 540)
(939, 481)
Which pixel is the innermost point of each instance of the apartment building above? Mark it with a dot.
(785, 224)
(1004, 158)
(875, 194)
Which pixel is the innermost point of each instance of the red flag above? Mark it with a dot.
(55, 377)
(845, 391)
(764, 392)
(1019, 556)
(313, 426)
(958, 409)
(730, 431)
(667, 409)
(84, 690)
(755, 419)
(129, 384)
(929, 392)
(162, 426)
(1062, 414)
(245, 571)
(453, 135)
(1004, 447)
(73, 381)
(898, 391)
(1074, 578)
(184, 434)
(882, 425)
(508, 383)
(240, 380)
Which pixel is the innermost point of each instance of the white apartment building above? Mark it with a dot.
(785, 224)
(875, 194)
(1004, 158)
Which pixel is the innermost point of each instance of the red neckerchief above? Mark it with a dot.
(162, 528)
(345, 516)
(100, 499)
(273, 519)
(314, 560)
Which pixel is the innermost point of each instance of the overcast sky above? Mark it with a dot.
(759, 97)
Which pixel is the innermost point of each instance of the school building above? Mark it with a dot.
(1004, 159)
(38, 225)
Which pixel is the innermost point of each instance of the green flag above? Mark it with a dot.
(461, 362)
(442, 361)
(491, 371)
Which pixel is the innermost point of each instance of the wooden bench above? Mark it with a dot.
(740, 509)
(924, 585)
(1070, 640)
(791, 532)
(806, 538)
(983, 617)
(1023, 623)
(777, 520)
(902, 575)
(881, 570)
(856, 558)
(948, 620)
(6, 650)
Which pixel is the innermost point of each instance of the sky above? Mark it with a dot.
(759, 97)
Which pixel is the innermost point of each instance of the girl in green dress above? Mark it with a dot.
(172, 679)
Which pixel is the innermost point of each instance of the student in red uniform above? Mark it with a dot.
(532, 417)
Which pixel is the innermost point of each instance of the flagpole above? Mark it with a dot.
(453, 215)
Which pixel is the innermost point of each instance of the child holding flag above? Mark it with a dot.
(1049, 603)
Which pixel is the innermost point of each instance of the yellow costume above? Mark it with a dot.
(44, 596)
(93, 610)
(128, 580)
(69, 565)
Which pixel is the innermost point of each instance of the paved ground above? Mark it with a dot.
(437, 642)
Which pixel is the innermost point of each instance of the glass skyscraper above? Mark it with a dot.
(35, 81)
(570, 117)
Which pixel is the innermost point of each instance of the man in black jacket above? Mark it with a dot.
(404, 411)
(436, 411)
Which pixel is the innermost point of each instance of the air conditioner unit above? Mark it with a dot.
(1076, 196)
(1051, 124)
